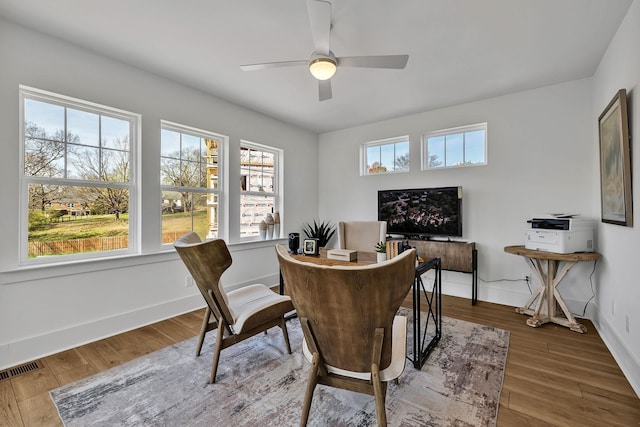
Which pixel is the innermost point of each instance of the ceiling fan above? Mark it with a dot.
(323, 63)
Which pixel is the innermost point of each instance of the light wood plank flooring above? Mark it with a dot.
(554, 377)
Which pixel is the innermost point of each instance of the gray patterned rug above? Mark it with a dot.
(258, 384)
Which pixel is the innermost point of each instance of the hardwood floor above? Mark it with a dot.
(554, 377)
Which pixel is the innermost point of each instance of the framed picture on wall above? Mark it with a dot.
(615, 162)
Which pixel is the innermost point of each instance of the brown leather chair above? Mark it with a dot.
(352, 336)
(237, 315)
(361, 235)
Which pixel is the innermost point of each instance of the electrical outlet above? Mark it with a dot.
(526, 277)
(188, 281)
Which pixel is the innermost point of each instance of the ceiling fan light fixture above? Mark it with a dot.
(322, 68)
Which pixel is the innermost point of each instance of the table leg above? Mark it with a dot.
(547, 297)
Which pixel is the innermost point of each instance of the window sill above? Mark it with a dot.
(43, 271)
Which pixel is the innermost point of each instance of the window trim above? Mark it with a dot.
(447, 132)
(223, 162)
(133, 185)
(364, 169)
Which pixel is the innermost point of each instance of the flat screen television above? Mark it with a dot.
(422, 213)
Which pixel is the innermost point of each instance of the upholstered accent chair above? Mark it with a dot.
(361, 235)
(236, 315)
(352, 335)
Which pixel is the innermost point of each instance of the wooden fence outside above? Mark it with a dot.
(94, 244)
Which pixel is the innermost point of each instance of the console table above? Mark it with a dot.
(454, 256)
(550, 269)
(424, 338)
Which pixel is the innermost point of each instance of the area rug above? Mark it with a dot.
(259, 384)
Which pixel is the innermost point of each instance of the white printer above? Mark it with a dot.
(560, 233)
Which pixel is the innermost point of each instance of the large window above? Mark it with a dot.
(79, 178)
(461, 146)
(259, 188)
(190, 170)
(385, 156)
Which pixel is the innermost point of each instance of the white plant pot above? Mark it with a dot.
(381, 256)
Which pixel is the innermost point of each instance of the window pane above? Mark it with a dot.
(387, 157)
(374, 161)
(190, 175)
(70, 220)
(83, 126)
(115, 166)
(84, 163)
(190, 147)
(170, 144)
(454, 150)
(48, 117)
(115, 133)
(44, 158)
(170, 172)
(435, 153)
(461, 146)
(253, 209)
(402, 156)
(474, 147)
(183, 212)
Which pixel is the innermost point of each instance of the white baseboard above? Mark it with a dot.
(32, 348)
(629, 365)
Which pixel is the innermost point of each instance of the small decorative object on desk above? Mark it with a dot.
(268, 218)
(262, 228)
(294, 242)
(322, 230)
(276, 225)
(381, 251)
(311, 246)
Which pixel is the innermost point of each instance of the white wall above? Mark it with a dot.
(540, 159)
(543, 157)
(619, 291)
(46, 309)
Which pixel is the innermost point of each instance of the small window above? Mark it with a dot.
(461, 146)
(190, 170)
(259, 188)
(385, 156)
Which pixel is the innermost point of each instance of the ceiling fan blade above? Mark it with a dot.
(253, 67)
(382, 61)
(320, 18)
(324, 88)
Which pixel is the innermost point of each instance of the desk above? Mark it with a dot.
(424, 341)
(550, 274)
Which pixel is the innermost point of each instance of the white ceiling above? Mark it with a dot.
(460, 50)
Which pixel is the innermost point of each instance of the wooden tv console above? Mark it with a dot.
(454, 256)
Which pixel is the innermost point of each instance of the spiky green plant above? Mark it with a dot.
(323, 230)
(381, 247)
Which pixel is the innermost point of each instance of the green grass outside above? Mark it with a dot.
(107, 226)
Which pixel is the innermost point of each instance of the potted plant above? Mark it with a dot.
(323, 231)
(381, 251)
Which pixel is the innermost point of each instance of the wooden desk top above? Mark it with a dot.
(363, 258)
(531, 253)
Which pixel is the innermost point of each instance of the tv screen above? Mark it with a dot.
(422, 212)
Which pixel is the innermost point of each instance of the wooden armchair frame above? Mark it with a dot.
(352, 336)
(236, 315)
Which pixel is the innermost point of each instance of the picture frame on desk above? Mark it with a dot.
(311, 247)
(615, 162)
